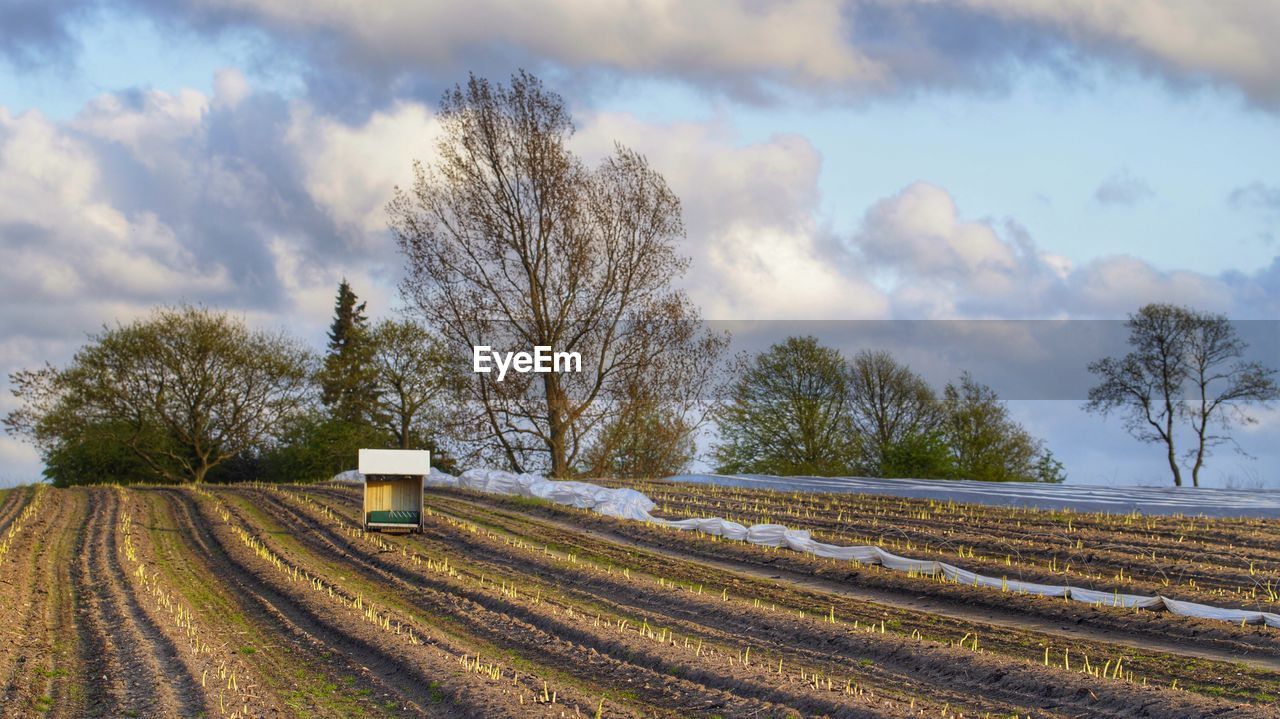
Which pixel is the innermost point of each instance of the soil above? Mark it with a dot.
(272, 602)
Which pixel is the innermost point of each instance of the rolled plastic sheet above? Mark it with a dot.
(623, 503)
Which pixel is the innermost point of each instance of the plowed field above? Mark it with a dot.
(269, 601)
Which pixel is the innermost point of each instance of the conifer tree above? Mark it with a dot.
(348, 381)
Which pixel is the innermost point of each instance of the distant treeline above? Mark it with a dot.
(192, 394)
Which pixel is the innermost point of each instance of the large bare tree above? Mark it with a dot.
(513, 242)
(1184, 364)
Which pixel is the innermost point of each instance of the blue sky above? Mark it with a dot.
(960, 159)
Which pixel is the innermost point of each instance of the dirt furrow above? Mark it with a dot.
(703, 622)
(141, 663)
(14, 500)
(105, 668)
(933, 665)
(275, 604)
(34, 608)
(425, 672)
(595, 542)
(1223, 541)
(470, 624)
(542, 636)
(68, 675)
(302, 676)
(1096, 562)
(1185, 636)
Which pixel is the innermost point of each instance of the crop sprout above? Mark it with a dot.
(1058, 537)
(1089, 661)
(15, 528)
(369, 611)
(641, 626)
(183, 620)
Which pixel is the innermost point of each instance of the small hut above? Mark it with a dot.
(393, 488)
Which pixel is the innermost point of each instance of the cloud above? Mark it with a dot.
(938, 265)
(351, 170)
(359, 56)
(36, 31)
(829, 51)
(832, 50)
(759, 248)
(800, 42)
(1124, 189)
(65, 243)
(147, 198)
(1223, 42)
(934, 263)
(1256, 196)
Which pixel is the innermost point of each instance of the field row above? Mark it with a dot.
(1225, 562)
(271, 601)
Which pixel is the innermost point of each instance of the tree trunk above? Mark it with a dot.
(1173, 463)
(1195, 469)
(557, 425)
(1168, 434)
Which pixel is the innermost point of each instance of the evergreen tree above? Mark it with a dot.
(348, 380)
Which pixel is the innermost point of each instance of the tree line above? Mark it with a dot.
(513, 241)
(193, 394)
(801, 408)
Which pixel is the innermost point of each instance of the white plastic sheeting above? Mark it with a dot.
(625, 503)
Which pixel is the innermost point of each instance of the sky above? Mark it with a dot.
(862, 160)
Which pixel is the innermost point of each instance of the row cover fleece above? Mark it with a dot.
(625, 503)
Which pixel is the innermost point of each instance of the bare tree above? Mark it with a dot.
(1147, 383)
(1222, 384)
(513, 242)
(189, 388)
(1184, 364)
(651, 428)
(889, 404)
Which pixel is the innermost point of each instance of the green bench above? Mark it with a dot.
(393, 516)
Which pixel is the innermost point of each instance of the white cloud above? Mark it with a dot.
(799, 42)
(230, 86)
(136, 203)
(759, 248)
(1120, 284)
(919, 230)
(64, 241)
(1226, 41)
(352, 171)
(937, 264)
(829, 50)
